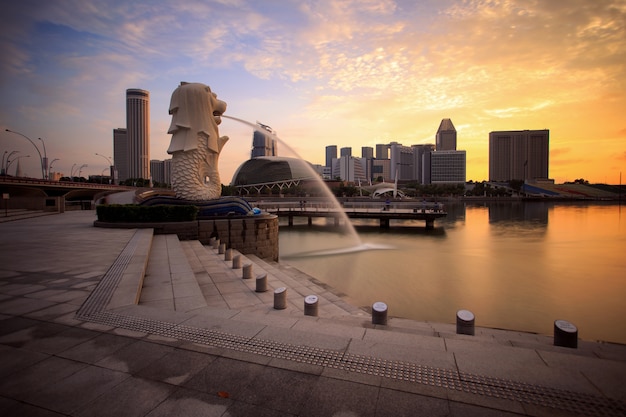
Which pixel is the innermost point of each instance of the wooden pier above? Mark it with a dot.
(427, 212)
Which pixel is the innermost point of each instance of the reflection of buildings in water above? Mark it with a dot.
(454, 212)
(519, 211)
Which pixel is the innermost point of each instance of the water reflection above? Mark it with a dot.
(517, 267)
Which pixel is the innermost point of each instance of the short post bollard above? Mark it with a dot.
(212, 241)
(465, 322)
(247, 271)
(565, 334)
(310, 305)
(379, 313)
(280, 298)
(222, 248)
(237, 262)
(216, 243)
(228, 255)
(261, 283)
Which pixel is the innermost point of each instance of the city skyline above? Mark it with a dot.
(343, 73)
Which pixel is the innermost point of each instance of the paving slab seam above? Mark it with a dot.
(564, 400)
(101, 295)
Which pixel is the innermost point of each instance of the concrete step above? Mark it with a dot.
(170, 282)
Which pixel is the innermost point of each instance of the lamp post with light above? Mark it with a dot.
(111, 166)
(43, 174)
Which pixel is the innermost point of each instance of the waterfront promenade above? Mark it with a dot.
(202, 341)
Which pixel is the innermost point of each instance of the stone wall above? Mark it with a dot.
(249, 235)
(257, 235)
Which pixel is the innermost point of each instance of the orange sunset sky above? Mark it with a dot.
(329, 72)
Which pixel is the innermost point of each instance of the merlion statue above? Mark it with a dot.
(196, 143)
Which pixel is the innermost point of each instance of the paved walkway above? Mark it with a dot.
(98, 322)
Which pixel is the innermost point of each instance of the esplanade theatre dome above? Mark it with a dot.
(272, 169)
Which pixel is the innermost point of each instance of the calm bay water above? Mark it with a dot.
(517, 266)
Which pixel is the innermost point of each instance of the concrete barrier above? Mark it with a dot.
(228, 255)
(261, 283)
(311, 303)
(237, 262)
(465, 322)
(379, 313)
(565, 334)
(280, 298)
(247, 271)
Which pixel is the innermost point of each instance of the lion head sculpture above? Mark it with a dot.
(196, 145)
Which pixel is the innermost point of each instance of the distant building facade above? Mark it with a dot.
(120, 154)
(447, 167)
(519, 155)
(262, 144)
(138, 132)
(331, 153)
(445, 138)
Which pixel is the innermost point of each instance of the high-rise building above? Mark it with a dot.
(347, 151)
(138, 132)
(382, 151)
(401, 158)
(120, 154)
(331, 153)
(445, 136)
(519, 155)
(420, 163)
(349, 168)
(263, 144)
(447, 167)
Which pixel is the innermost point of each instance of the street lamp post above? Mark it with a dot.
(44, 160)
(5, 168)
(81, 169)
(16, 159)
(50, 166)
(33, 143)
(111, 166)
(72, 173)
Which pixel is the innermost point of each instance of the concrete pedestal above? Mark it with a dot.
(311, 305)
(379, 313)
(565, 334)
(465, 322)
(280, 298)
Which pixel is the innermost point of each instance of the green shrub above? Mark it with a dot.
(132, 213)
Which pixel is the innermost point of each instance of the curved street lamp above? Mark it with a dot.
(16, 159)
(44, 161)
(5, 168)
(50, 166)
(81, 169)
(43, 175)
(111, 166)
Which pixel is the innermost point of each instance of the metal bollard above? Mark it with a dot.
(465, 322)
(261, 283)
(237, 262)
(311, 305)
(221, 248)
(565, 334)
(228, 255)
(280, 298)
(379, 313)
(247, 271)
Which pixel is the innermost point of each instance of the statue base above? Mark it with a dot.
(223, 206)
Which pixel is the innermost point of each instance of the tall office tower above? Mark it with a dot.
(157, 169)
(120, 154)
(367, 152)
(447, 167)
(345, 151)
(401, 158)
(367, 155)
(418, 161)
(382, 151)
(138, 130)
(262, 144)
(519, 155)
(446, 136)
(331, 153)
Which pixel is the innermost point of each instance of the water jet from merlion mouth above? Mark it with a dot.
(354, 243)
